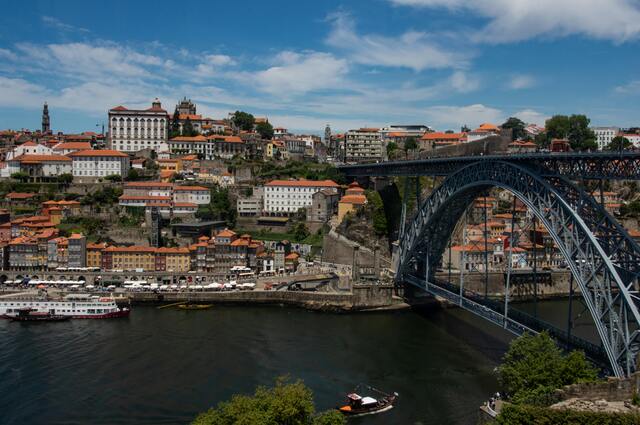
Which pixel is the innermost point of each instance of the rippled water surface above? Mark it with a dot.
(165, 366)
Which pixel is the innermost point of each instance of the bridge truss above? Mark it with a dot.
(603, 259)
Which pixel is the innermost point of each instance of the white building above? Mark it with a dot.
(66, 148)
(604, 135)
(633, 138)
(363, 145)
(132, 130)
(38, 166)
(251, 205)
(191, 194)
(288, 196)
(208, 147)
(29, 148)
(99, 163)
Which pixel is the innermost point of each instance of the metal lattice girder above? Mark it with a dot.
(591, 165)
(603, 259)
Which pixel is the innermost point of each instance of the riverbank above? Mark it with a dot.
(373, 297)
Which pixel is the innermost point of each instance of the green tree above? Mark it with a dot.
(287, 403)
(20, 175)
(377, 207)
(619, 143)
(243, 120)
(65, 179)
(410, 144)
(133, 174)
(534, 367)
(187, 128)
(575, 128)
(557, 127)
(113, 178)
(174, 130)
(392, 147)
(517, 127)
(301, 231)
(265, 130)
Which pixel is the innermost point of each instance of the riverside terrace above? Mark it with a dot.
(591, 165)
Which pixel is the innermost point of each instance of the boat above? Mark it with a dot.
(73, 306)
(358, 405)
(188, 306)
(32, 315)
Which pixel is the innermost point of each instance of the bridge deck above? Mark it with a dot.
(589, 165)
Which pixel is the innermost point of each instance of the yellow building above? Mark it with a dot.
(173, 259)
(353, 199)
(94, 254)
(129, 258)
(173, 165)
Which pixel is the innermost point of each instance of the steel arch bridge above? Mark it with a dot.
(603, 259)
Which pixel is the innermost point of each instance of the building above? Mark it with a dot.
(132, 130)
(99, 163)
(39, 167)
(28, 148)
(94, 254)
(324, 204)
(363, 145)
(66, 148)
(46, 122)
(251, 205)
(192, 194)
(129, 258)
(604, 135)
(288, 196)
(485, 130)
(77, 245)
(634, 138)
(172, 259)
(186, 111)
(437, 139)
(520, 146)
(399, 133)
(208, 147)
(353, 199)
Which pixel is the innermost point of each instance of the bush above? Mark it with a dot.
(289, 403)
(530, 415)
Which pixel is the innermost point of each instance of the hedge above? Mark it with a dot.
(519, 414)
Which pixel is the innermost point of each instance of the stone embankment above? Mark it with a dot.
(370, 297)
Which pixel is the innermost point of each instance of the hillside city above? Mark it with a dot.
(180, 192)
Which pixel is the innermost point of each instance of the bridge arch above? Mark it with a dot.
(602, 257)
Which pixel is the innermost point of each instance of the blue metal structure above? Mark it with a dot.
(603, 259)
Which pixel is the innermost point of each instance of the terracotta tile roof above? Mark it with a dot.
(36, 159)
(198, 138)
(227, 139)
(80, 146)
(240, 242)
(104, 152)
(144, 198)
(488, 126)
(443, 136)
(226, 233)
(119, 108)
(134, 248)
(190, 157)
(102, 245)
(190, 188)
(303, 183)
(354, 199)
(292, 256)
(19, 195)
(192, 117)
(166, 250)
(185, 205)
(148, 184)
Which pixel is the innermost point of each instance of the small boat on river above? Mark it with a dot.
(188, 306)
(358, 405)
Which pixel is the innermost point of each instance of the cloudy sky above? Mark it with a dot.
(303, 64)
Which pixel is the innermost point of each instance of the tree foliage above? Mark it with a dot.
(187, 128)
(534, 367)
(575, 128)
(618, 143)
(219, 208)
(392, 147)
(287, 403)
(113, 178)
(531, 415)
(243, 120)
(174, 129)
(376, 205)
(517, 127)
(410, 144)
(300, 231)
(265, 130)
(133, 174)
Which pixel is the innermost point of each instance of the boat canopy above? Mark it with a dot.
(368, 400)
(354, 397)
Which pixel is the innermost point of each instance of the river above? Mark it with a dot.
(165, 366)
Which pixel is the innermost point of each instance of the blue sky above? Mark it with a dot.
(303, 64)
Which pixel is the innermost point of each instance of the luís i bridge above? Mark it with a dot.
(602, 258)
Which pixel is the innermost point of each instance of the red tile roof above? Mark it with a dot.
(104, 152)
(198, 138)
(303, 183)
(190, 188)
(79, 146)
(19, 195)
(36, 159)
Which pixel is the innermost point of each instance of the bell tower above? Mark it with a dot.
(46, 124)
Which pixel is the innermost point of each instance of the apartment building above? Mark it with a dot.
(363, 145)
(288, 196)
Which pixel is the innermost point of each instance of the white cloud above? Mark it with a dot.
(412, 49)
(300, 73)
(454, 117)
(212, 64)
(632, 87)
(521, 81)
(16, 92)
(515, 20)
(56, 23)
(531, 117)
(463, 82)
(7, 54)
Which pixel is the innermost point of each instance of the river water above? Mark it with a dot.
(165, 366)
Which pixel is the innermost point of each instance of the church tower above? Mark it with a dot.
(46, 124)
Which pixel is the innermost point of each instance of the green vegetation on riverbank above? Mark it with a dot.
(263, 235)
(287, 403)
